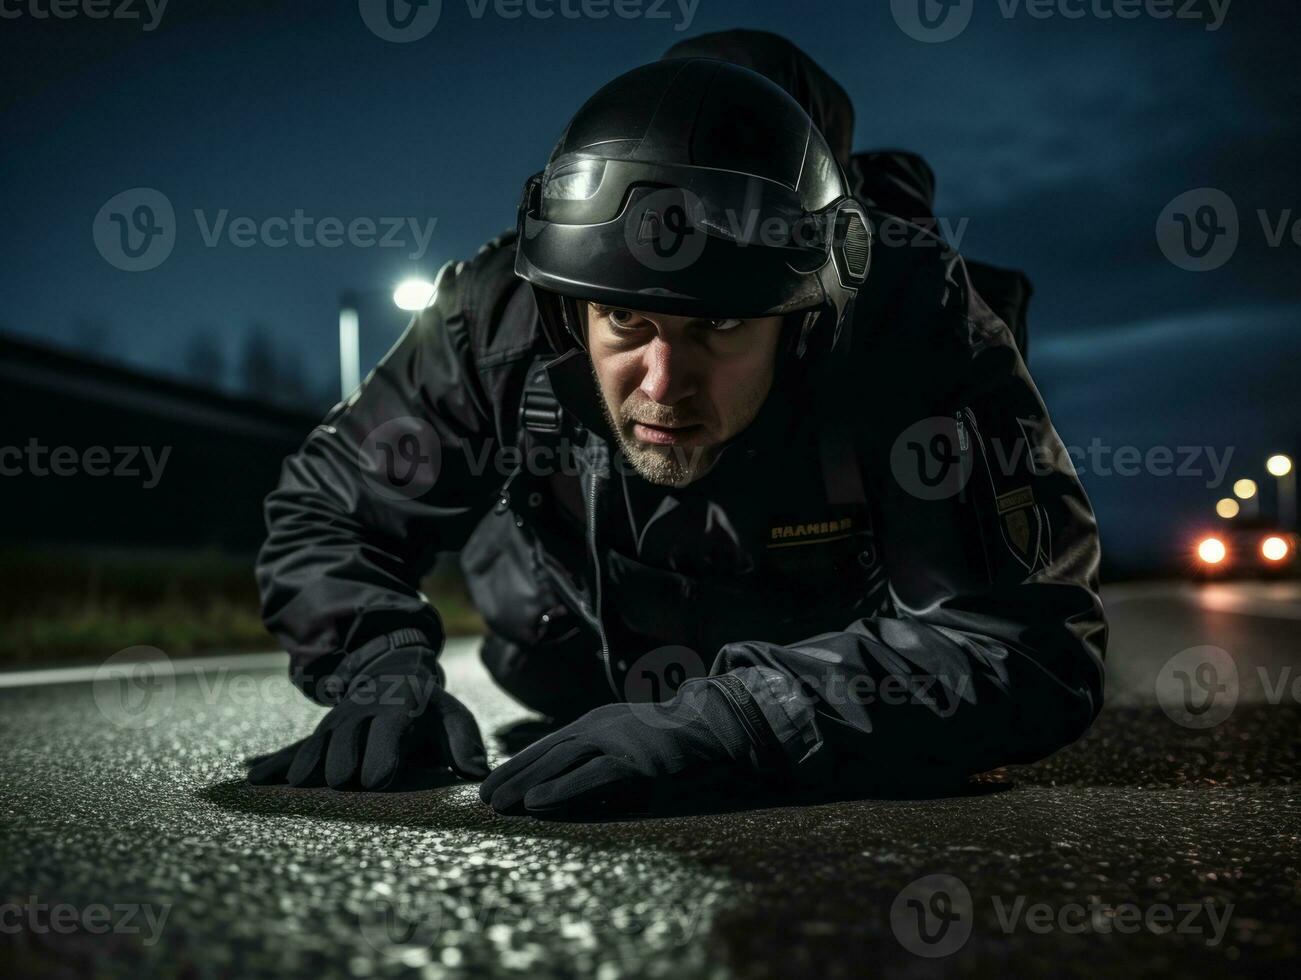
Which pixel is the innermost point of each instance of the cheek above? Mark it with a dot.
(619, 376)
(736, 382)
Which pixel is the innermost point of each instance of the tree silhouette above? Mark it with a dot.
(205, 362)
(258, 371)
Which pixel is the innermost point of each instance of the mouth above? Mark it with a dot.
(665, 435)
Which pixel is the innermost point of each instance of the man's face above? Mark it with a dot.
(676, 388)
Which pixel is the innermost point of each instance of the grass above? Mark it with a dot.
(68, 606)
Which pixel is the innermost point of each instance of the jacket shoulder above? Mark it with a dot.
(483, 305)
(501, 316)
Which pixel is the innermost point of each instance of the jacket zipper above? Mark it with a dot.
(765, 742)
(596, 582)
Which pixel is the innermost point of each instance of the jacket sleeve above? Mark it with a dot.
(991, 649)
(386, 482)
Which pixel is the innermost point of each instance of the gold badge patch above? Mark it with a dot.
(1015, 508)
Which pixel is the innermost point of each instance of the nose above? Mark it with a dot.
(668, 375)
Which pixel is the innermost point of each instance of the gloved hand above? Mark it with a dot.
(394, 717)
(608, 759)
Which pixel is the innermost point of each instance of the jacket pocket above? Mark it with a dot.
(504, 578)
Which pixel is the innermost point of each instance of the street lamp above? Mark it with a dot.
(1227, 508)
(1246, 491)
(1281, 468)
(411, 295)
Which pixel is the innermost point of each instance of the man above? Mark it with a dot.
(775, 519)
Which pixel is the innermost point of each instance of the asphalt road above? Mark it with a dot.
(1167, 841)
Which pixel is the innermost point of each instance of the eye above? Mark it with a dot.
(723, 326)
(621, 318)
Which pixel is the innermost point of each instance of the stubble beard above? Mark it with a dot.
(665, 466)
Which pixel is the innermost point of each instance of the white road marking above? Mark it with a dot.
(1272, 600)
(191, 665)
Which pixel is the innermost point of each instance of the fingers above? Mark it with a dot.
(384, 750)
(272, 767)
(461, 743)
(521, 760)
(374, 748)
(308, 767)
(591, 786)
(343, 758)
(506, 794)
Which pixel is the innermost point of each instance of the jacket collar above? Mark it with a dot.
(575, 390)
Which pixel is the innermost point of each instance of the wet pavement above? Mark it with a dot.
(1167, 841)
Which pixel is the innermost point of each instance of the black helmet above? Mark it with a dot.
(693, 187)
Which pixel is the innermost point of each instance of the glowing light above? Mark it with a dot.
(1279, 465)
(1227, 507)
(1211, 551)
(1274, 548)
(413, 294)
(1244, 489)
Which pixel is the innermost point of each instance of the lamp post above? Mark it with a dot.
(411, 295)
(349, 345)
(1283, 470)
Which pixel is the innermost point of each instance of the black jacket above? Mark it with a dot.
(895, 562)
(904, 610)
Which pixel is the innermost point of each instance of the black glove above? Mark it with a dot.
(609, 758)
(394, 717)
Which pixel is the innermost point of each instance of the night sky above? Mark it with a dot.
(1057, 141)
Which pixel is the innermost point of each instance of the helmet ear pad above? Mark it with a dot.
(563, 320)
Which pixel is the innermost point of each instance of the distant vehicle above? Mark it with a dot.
(1245, 548)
